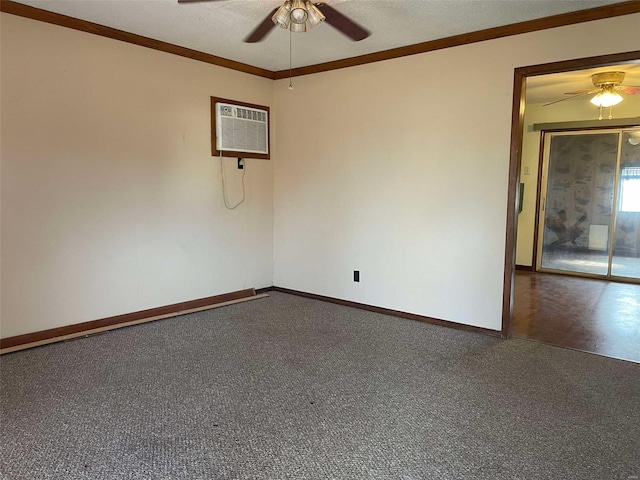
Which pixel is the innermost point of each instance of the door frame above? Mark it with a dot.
(515, 158)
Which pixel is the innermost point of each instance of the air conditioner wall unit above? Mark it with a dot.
(241, 129)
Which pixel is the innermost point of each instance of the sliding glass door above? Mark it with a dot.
(626, 242)
(591, 184)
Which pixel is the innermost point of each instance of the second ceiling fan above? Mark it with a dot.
(606, 86)
(296, 15)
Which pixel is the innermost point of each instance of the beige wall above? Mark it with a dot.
(111, 201)
(572, 110)
(399, 169)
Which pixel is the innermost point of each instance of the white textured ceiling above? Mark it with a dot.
(219, 27)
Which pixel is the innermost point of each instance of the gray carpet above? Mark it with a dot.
(292, 388)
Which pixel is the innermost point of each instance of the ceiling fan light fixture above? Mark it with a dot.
(298, 12)
(298, 27)
(607, 97)
(315, 15)
(282, 16)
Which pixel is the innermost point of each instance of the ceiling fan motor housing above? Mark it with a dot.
(607, 78)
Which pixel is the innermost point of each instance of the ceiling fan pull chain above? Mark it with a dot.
(610, 112)
(600, 117)
(290, 85)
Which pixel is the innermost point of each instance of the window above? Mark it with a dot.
(630, 189)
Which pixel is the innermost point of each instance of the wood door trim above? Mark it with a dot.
(515, 159)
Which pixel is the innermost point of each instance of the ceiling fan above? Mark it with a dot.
(607, 85)
(296, 15)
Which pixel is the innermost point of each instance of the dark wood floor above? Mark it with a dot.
(586, 314)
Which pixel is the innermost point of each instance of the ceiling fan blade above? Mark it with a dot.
(581, 92)
(628, 89)
(262, 30)
(343, 23)
(568, 98)
(196, 1)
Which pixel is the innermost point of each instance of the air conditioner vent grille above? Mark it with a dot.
(241, 129)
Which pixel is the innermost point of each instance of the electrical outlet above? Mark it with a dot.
(527, 171)
(240, 164)
(356, 275)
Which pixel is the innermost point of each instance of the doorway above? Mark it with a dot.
(517, 132)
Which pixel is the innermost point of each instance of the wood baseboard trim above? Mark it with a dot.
(264, 290)
(44, 337)
(393, 313)
(525, 268)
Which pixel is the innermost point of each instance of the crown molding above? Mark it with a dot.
(26, 11)
(571, 18)
(564, 19)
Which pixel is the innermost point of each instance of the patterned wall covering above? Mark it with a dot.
(580, 191)
(580, 187)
